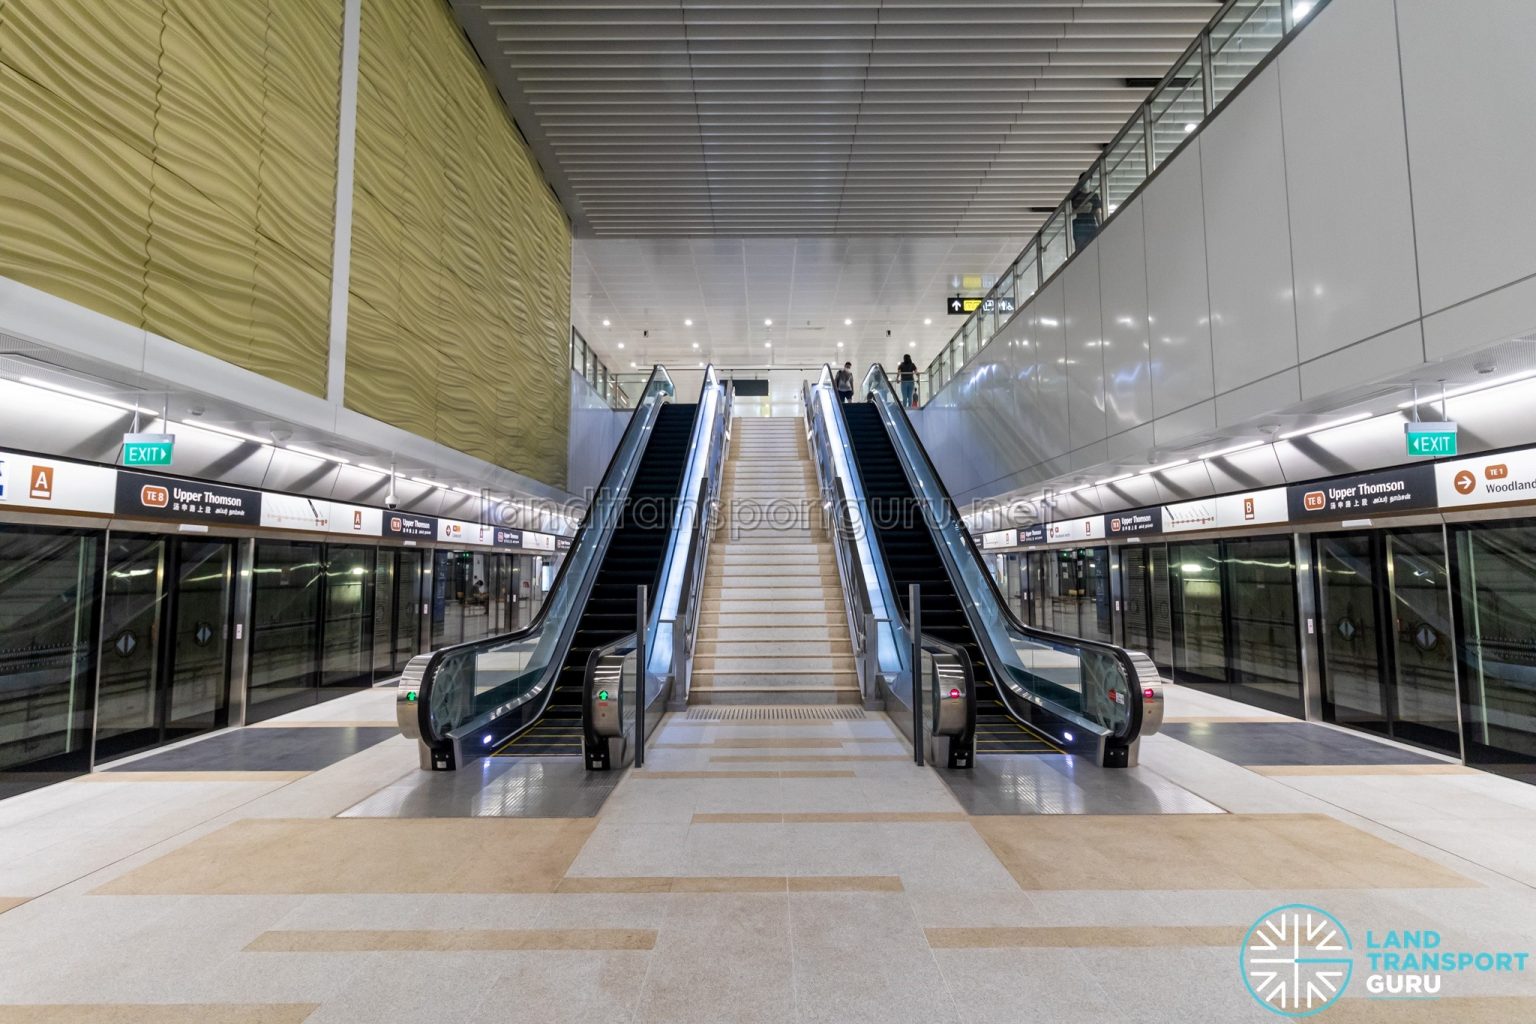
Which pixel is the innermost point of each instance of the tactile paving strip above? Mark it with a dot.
(734, 713)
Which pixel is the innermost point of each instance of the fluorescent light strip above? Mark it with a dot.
(1470, 389)
(317, 455)
(1233, 450)
(1113, 479)
(425, 483)
(1166, 465)
(86, 395)
(1356, 418)
(465, 490)
(226, 431)
(373, 469)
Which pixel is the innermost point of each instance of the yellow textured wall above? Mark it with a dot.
(172, 164)
(459, 316)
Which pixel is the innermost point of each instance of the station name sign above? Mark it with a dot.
(158, 497)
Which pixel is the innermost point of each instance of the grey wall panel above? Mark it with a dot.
(1178, 427)
(1253, 316)
(1178, 294)
(1048, 312)
(1123, 312)
(1468, 81)
(1363, 361)
(1085, 351)
(1354, 259)
(1240, 405)
(1131, 445)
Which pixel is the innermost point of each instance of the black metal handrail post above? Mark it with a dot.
(915, 615)
(642, 616)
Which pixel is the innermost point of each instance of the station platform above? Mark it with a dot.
(782, 869)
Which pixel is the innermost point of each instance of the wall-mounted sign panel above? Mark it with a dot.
(1364, 494)
(1141, 522)
(999, 539)
(1187, 516)
(1504, 479)
(43, 484)
(1032, 534)
(407, 525)
(457, 531)
(148, 449)
(1091, 528)
(506, 538)
(356, 520)
(290, 512)
(1255, 508)
(141, 496)
(563, 543)
(538, 541)
(962, 305)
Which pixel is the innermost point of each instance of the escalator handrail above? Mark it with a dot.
(421, 675)
(689, 536)
(848, 498)
(1137, 681)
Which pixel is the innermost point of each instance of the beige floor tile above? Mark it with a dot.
(1067, 938)
(158, 1013)
(10, 902)
(451, 941)
(366, 855)
(1204, 851)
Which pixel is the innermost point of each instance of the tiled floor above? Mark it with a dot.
(266, 748)
(773, 871)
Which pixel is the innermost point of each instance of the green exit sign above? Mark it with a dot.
(148, 449)
(1431, 440)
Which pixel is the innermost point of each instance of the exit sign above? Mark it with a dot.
(1431, 440)
(148, 449)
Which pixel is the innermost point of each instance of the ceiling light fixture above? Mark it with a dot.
(1233, 450)
(927, 321)
(1189, 126)
(1300, 9)
(767, 322)
(767, 344)
(1342, 421)
(621, 344)
(227, 431)
(1112, 479)
(61, 389)
(687, 323)
(839, 344)
(606, 323)
(847, 321)
(1159, 469)
(695, 344)
(374, 469)
(911, 344)
(425, 482)
(1469, 389)
(317, 455)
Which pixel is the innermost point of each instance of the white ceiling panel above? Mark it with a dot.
(859, 118)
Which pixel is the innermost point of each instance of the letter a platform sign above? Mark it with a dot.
(148, 449)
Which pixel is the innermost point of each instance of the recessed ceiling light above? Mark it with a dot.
(928, 321)
(687, 323)
(695, 344)
(839, 344)
(607, 324)
(61, 389)
(633, 364)
(1189, 126)
(911, 344)
(767, 344)
(621, 344)
(847, 321)
(767, 322)
(1300, 10)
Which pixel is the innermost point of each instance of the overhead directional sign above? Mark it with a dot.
(148, 449)
(965, 305)
(1431, 439)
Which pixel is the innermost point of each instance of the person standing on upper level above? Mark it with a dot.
(843, 383)
(907, 372)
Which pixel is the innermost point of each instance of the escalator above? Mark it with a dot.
(526, 693)
(910, 557)
(1007, 688)
(633, 559)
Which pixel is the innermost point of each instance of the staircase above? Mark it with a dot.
(772, 629)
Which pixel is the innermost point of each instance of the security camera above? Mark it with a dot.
(391, 501)
(1485, 367)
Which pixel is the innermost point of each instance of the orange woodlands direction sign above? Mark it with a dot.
(29, 481)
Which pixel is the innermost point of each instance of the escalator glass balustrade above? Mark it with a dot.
(1034, 692)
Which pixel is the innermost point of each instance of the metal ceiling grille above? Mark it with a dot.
(763, 117)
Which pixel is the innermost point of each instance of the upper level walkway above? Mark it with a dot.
(767, 869)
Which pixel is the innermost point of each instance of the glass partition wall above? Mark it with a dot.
(1238, 38)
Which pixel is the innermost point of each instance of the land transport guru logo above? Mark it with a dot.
(1297, 960)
